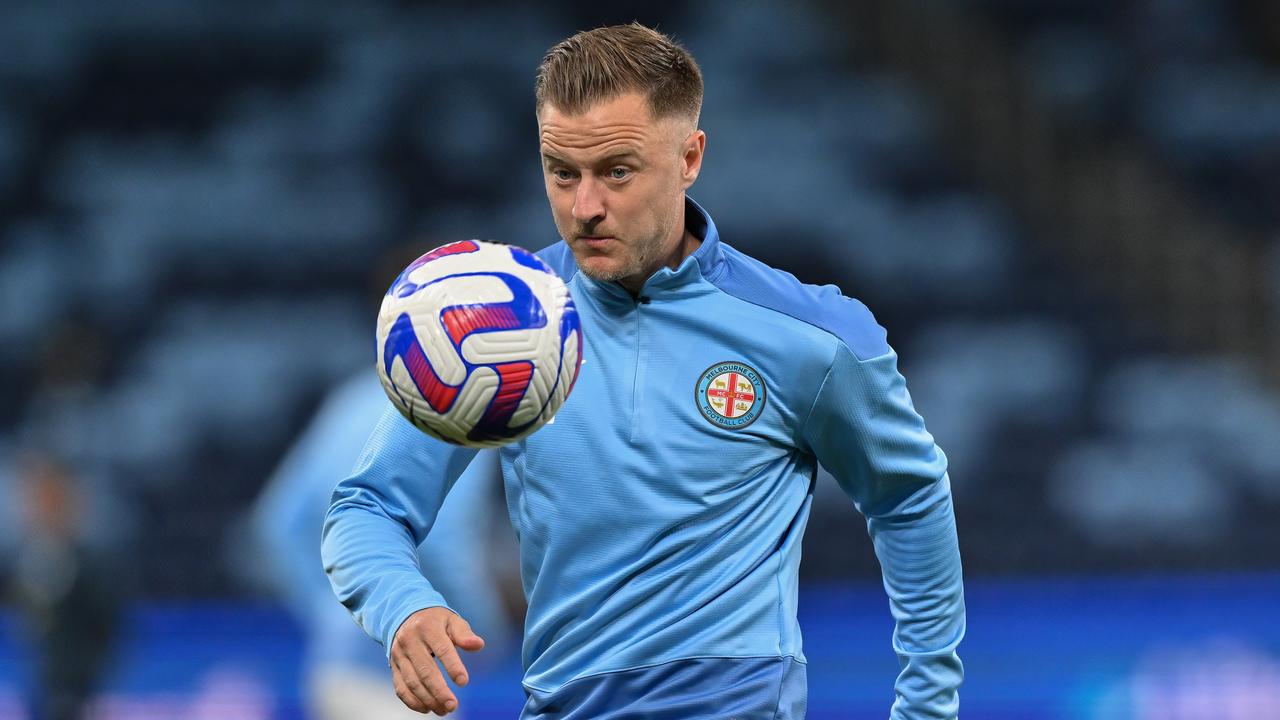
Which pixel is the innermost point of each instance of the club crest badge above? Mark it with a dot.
(730, 395)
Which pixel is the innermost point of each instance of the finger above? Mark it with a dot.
(442, 646)
(416, 663)
(460, 632)
(409, 689)
(428, 673)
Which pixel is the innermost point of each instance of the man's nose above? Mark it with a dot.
(588, 201)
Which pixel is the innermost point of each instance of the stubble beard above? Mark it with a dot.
(634, 257)
(635, 260)
(641, 256)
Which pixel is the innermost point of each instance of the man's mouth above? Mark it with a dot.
(595, 241)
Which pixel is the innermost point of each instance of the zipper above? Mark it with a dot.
(637, 380)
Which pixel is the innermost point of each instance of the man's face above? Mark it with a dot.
(616, 178)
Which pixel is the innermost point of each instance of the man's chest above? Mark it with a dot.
(699, 373)
(682, 399)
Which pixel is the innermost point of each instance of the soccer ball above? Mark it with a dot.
(479, 343)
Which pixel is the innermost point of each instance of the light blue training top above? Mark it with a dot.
(660, 515)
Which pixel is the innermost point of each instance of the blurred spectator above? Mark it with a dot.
(67, 585)
(347, 676)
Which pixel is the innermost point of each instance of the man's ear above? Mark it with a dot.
(691, 157)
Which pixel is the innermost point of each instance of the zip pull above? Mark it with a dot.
(643, 299)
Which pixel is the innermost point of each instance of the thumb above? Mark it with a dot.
(460, 633)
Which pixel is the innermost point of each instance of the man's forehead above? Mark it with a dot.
(565, 138)
(604, 134)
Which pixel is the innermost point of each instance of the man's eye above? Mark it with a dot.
(562, 175)
(619, 173)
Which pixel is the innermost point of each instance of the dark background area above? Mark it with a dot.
(1064, 213)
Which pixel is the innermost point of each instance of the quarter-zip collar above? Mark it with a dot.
(705, 262)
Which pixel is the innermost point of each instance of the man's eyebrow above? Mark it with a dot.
(623, 154)
(620, 155)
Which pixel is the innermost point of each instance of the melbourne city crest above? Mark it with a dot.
(730, 394)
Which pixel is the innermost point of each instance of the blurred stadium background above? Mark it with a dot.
(1066, 212)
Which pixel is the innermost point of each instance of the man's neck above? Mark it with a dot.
(686, 246)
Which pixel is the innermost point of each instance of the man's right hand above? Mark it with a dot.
(427, 636)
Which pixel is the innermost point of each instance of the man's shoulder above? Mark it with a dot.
(560, 258)
(821, 306)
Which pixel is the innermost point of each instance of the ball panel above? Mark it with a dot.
(403, 347)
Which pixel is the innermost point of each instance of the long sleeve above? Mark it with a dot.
(865, 431)
(379, 515)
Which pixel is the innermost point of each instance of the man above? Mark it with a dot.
(660, 516)
(70, 584)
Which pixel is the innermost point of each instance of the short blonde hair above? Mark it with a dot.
(601, 64)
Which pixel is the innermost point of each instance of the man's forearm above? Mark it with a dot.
(379, 515)
(372, 565)
(920, 558)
